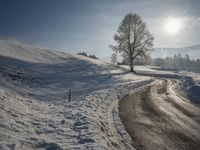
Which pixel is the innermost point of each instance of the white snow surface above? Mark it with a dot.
(34, 109)
(190, 85)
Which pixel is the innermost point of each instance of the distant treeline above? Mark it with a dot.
(178, 62)
(86, 55)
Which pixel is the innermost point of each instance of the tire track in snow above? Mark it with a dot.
(159, 118)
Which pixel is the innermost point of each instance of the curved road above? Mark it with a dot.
(159, 118)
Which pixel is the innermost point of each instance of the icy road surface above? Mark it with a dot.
(159, 118)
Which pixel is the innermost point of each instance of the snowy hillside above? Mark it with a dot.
(36, 113)
(58, 71)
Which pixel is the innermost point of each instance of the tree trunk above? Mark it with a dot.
(131, 64)
(131, 67)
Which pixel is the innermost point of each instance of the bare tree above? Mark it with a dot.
(133, 39)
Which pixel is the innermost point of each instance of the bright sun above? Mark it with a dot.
(172, 25)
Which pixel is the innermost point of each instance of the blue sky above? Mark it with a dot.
(89, 25)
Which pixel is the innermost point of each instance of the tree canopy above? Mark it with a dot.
(133, 39)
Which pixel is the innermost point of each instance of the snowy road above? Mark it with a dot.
(35, 112)
(159, 118)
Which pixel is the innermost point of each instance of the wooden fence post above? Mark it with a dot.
(70, 95)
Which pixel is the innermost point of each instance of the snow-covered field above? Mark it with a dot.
(35, 112)
(34, 109)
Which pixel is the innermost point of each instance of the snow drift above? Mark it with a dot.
(35, 112)
(189, 86)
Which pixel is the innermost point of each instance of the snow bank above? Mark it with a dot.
(88, 122)
(100, 111)
(35, 112)
(189, 86)
(91, 122)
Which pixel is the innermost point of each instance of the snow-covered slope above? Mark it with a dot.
(35, 112)
(55, 72)
(34, 109)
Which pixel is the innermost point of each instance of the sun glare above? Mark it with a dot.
(172, 25)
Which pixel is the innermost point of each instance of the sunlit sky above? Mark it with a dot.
(89, 25)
